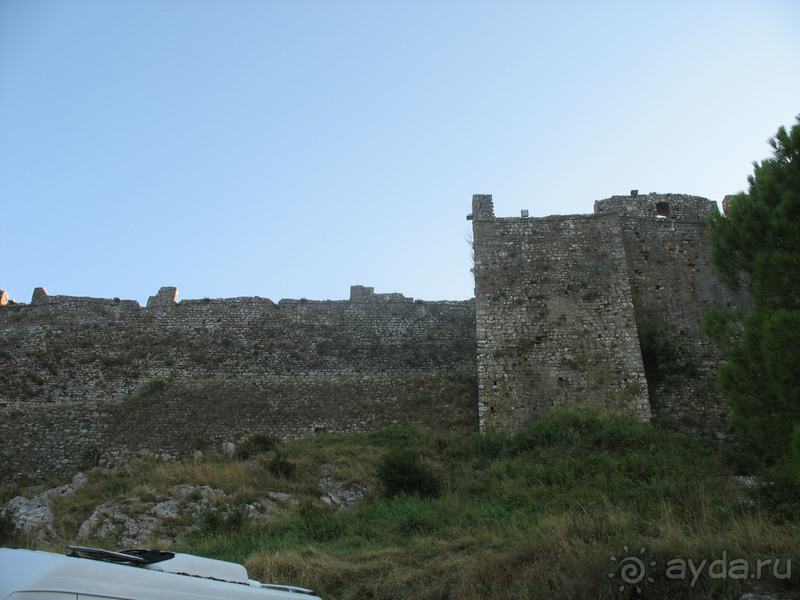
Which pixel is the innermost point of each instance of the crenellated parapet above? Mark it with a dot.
(567, 309)
(173, 377)
(674, 207)
(360, 293)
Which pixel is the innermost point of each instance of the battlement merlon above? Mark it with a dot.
(40, 296)
(679, 207)
(482, 208)
(360, 293)
(167, 296)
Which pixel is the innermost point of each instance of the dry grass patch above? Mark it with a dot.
(530, 571)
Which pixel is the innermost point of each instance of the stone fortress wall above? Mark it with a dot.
(101, 380)
(567, 305)
(567, 311)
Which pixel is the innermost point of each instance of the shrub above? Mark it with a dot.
(402, 472)
(153, 385)
(114, 361)
(8, 528)
(214, 521)
(280, 466)
(741, 460)
(391, 436)
(524, 344)
(90, 457)
(318, 523)
(591, 294)
(778, 494)
(487, 445)
(661, 357)
(258, 443)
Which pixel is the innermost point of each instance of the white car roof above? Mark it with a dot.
(179, 577)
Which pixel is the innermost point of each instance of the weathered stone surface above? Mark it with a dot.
(83, 380)
(560, 302)
(36, 514)
(161, 518)
(138, 522)
(344, 496)
(229, 449)
(166, 298)
(560, 305)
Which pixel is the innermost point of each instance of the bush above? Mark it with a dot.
(391, 436)
(8, 528)
(487, 445)
(589, 428)
(661, 357)
(214, 521)
(90, 457)
(280, 466)
(155, 384)
(402, 472)
(778, 494)
(318, 523)
(741, 460)
(258, 443)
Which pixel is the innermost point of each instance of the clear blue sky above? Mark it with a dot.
(292, 149)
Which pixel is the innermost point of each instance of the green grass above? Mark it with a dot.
(535, 515)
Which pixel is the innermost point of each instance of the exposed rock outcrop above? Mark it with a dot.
(35, 515)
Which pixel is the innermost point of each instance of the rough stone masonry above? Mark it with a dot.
(567, 305)
(565, 309)
(97, 381)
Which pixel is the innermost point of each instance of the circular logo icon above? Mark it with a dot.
(632, 570)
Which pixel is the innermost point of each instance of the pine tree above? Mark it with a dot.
(757, 246)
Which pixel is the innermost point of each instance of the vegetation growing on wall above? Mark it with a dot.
(662, 357)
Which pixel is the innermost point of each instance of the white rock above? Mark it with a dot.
(229, 449)
(36, 514)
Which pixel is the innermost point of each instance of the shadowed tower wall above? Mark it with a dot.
(568, 306)
(555, 317)
(673, 284)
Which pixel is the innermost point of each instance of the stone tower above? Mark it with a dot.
(562, 302)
